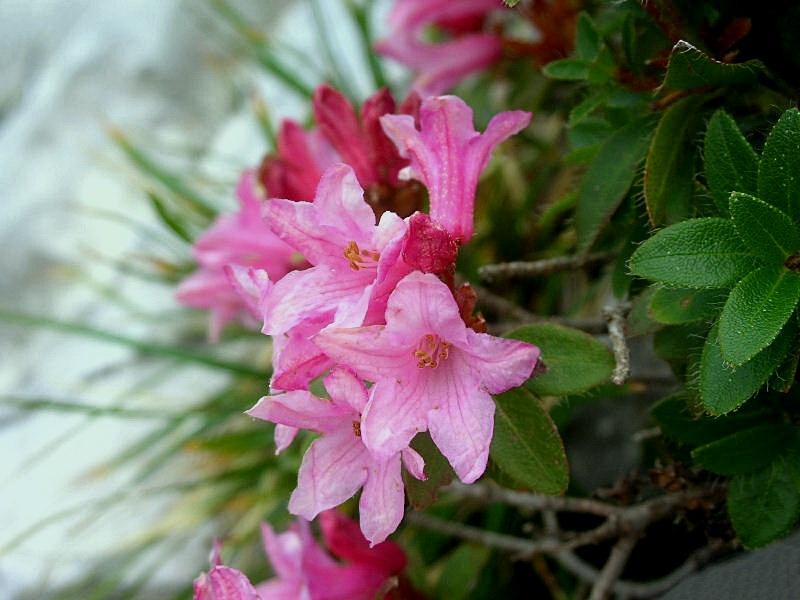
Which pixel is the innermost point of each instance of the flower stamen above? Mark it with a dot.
(360, 259)
(431, 351)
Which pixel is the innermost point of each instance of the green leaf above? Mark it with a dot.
(724, 388)
(587, 38)
(575, 360)
(756, 311)
(669, 169)
(526, 444)
(609, 177)
(679, 423)
(745, 451)
(567, 69)
(764, 505)
(697, 253)
(767, 231)
(673, 306)
(689, 68)
(143, 347)
(462, 572)
(169, 219)
(731, 163)
(779, 169)
(421, 494)
(511, 3)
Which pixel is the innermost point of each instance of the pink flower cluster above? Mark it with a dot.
(305, 571)
(377, 315)
(440, 66)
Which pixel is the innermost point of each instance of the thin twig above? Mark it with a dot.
(539, 268)
(535, 502)
(615, 317)
(512, 315)
(611, 571)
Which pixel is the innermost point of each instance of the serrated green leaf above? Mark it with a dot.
(690, 68)
(724, 388)
(673, 306)
(526, 444)
(731, 163)
(587, 38)
(679, 423)
(609, 177)
(744, 451)
(764, 505)
(575, 360)
(439, 473)
(567, 69)
(767, 231)
(779, 169)
(697, 253)
(679, 345)
(669, 168)
(756, 311)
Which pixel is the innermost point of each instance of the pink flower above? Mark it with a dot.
(338, 464)
(241, 239)
(448, 155)
(440, 66)
(223, 583)
(301, 158)
(341, 136)
(304, 571)
(355, 267)
(431, 372)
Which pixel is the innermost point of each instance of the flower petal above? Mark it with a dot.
(501, 364)
(224, 583)
(344, 213)
(284, 551)
(462, 422)
(395, 413)
(344, 539)
(369, 351)
(333, 470)
(284, 436)
(383, 500)
(339, 123)
(313, 294)
(414, 463)
(302, 410)
(421, 304)
(296, 360)
(346, 389)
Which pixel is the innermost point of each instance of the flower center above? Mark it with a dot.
(431, 351)
(357, 428)
(360, 259)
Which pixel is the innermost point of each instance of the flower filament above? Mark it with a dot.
(431, 351)
(360, 259)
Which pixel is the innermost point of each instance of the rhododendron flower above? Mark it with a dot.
(338, 464)
(431, 372)
(448, 155)
(303, 570)
(301, 157)
(223, 583)
(342, 136)
(241, 239)
(355, 267)
(440, 66)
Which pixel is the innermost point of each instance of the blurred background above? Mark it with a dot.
(89, 411)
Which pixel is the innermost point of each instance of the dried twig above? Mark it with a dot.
(613, 568)
(539, 268)
(615, 317)
(513, 315)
